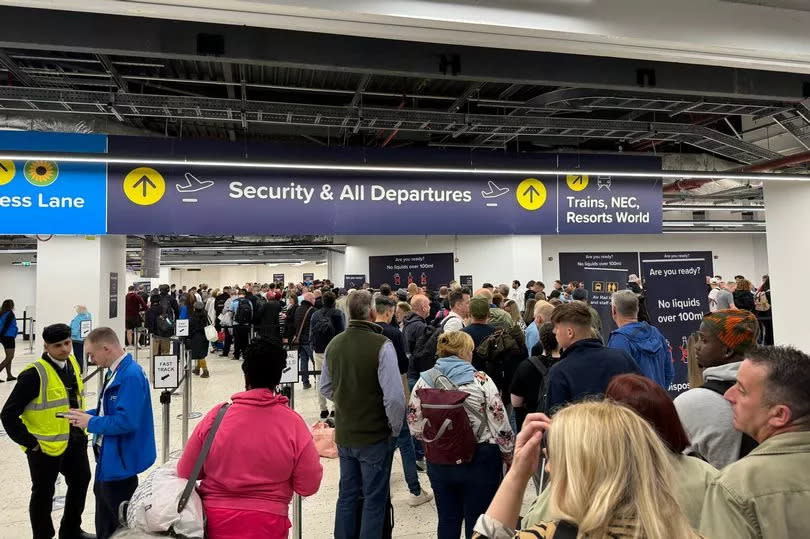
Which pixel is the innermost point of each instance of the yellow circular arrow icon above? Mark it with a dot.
(144, 186)
(7, 171)
(531, 194)
(577, 182)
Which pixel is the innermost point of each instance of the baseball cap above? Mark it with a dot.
(713, 281)
(479, 307)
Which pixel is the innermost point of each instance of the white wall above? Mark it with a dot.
(165, 274)
(18, 283)
(217, 276)
(75, 270)
(744, 254)
(496, 259)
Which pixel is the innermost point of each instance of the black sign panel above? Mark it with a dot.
(431, 270)
(466, 281)
(354, 280)
(113, 295)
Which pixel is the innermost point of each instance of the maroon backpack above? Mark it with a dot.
(447, 433)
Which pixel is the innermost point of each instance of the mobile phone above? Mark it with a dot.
(62, 415)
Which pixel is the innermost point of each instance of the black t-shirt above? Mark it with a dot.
(526, 383)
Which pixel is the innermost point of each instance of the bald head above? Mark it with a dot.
(484, 292)
(420, 305)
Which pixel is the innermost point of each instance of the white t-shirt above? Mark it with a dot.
(453, 322)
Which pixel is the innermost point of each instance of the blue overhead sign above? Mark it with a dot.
(46, 197)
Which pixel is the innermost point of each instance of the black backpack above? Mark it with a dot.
(164, 325)
(219, 305)
(748, 444)
(244, 312)
(499, 354)
(322, 331)
(424, 351)
(261, 301)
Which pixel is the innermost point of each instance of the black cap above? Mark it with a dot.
(56, 333)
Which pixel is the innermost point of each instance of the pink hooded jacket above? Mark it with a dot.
(262, 453)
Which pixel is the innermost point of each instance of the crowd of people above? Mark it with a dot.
(481, 391)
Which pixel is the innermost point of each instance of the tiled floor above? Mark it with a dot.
(226, 379)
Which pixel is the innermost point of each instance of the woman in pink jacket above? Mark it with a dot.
(262, 453)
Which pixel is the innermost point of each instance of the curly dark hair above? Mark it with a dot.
(264, 361)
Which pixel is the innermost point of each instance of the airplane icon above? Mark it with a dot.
(494, 191)
(193, 184)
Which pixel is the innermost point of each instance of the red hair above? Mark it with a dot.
(652, 403)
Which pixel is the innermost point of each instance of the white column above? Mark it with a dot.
(75, 270)
(788, 259)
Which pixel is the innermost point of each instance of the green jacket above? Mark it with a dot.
(692, 477)
(764, 495)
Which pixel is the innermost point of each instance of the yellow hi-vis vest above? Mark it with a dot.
(39, 416)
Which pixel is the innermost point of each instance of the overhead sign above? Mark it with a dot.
(179, 198)
(430, 270)
(46, 197)
(309, 277)
(167, 372)
(675, 285)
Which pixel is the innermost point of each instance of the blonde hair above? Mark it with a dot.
(608, 464)
(454, 343)
(544, 308)
(404, 306)
(511, 307)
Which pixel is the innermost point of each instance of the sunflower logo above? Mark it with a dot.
(41, 173)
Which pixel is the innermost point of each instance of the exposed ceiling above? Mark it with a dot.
(582, 106)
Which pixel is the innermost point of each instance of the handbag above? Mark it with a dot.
(211, 332)
(167, 505)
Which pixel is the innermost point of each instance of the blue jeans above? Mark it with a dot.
(364, 471)
(464, 491)
(304, 357)
(419, 450)
(406, 452)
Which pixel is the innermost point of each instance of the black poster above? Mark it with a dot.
(354, 280)
(466, 281)
(603, 274)
(675, 285)
(309, 277)
(278, 278)
(431, 270)
(113, 295)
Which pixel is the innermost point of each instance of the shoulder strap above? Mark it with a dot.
(539, 365)
(303, 323)
(195, 473)
(434, 375)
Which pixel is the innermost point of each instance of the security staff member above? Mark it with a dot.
(122, 427)
(45, 390)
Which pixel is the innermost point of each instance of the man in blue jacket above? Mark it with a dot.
(122, 427)
(643, 342)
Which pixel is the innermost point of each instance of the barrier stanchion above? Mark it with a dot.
(32, 336)
(187, 413)
(135, 343)
(165, 401)
(297, 529)
(87, 378)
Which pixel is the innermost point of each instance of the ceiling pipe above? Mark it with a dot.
(766, 166)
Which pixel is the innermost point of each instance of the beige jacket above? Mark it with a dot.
(764, 495)
(692, 478)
